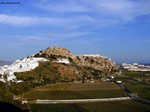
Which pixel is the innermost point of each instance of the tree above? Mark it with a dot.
(5, 76)
(39, 77)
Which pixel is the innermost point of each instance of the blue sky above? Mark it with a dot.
(119, 29)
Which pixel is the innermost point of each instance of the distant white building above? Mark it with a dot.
(26, 64)
(23, 65)
(135, 67)
(135, 64)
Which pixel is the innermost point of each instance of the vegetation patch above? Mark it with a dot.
(140, 89)
(136, 82)
(65, 91)
(53, 108)
(116, 106)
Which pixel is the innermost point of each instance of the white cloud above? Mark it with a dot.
(125, 9)
(51, 37)
(21, 40)
(57, 36)
(62, 6)
(120, 9)
(73, 22)
(28, 21)
(73, 14)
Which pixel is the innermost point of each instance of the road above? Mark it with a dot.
(40, 101)
(132, 95)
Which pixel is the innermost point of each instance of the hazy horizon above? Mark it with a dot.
(118, 29)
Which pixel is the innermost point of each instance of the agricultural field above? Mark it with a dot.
(137, 82)
(66, 91)
(53, 108)
(140, 89)
(117, 106)
(135, 74)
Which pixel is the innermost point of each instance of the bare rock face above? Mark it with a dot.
(103, 64)
(57, 52)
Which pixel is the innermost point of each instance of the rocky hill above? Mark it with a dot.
(101, 63)
(56, 64)
(88, 66)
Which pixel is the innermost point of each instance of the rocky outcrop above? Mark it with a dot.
(100, 63)
(55, 51)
